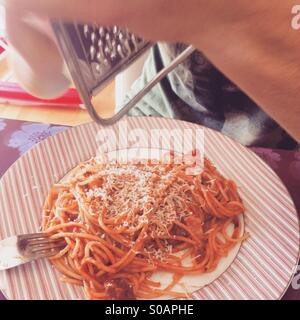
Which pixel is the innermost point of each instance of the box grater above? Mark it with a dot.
(96, 54)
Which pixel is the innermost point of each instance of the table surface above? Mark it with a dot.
(59, 115)
(16, 137)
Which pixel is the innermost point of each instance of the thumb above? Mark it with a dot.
(34, 57)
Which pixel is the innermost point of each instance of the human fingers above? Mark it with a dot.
(34, 57)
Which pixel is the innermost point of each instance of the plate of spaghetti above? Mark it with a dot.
(149, 222)
(127, 224)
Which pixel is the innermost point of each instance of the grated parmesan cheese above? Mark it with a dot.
(137, 195)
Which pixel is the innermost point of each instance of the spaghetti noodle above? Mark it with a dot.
(124, 222)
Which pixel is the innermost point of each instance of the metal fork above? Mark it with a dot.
(39, 245)
(21, 249)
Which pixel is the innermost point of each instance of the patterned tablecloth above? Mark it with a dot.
(16, 137)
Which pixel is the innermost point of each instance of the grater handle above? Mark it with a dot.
(127, 107)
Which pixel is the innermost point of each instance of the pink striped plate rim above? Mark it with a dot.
(265, 264)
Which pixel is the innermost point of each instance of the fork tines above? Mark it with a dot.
(39, 245)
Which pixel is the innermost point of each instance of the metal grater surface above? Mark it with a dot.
(97, 54)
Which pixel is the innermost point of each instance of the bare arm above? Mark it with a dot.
(252, 42)
(260, 51)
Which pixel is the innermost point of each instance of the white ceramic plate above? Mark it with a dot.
(261, 268)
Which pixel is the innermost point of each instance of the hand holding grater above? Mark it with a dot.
(96, 54)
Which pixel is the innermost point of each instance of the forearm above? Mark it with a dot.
(252, 42)
(261, 54)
